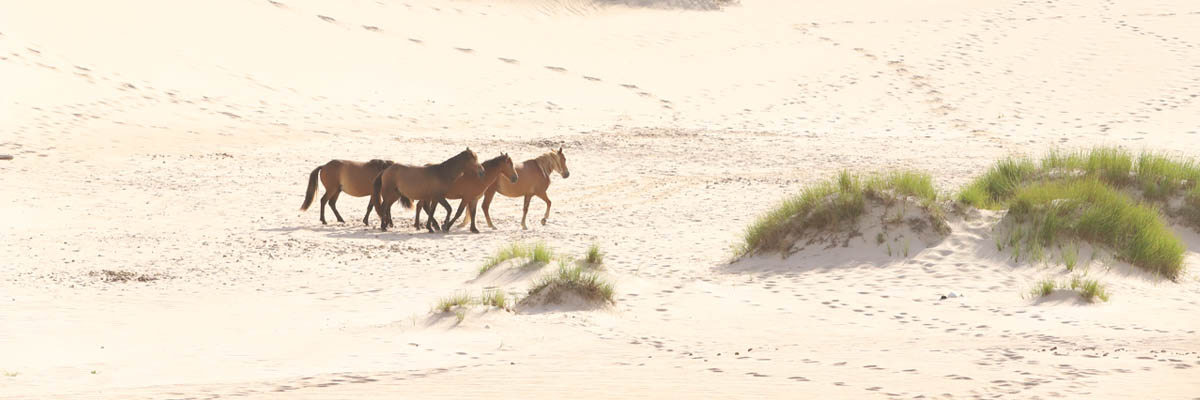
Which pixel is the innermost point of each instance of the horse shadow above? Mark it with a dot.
(355, 231)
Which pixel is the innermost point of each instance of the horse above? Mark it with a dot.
(469, 188)
(352, 177)
(534, 180)
(429, 183)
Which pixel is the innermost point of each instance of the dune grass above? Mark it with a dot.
(1093, 211)
(576, 279)
(494, 298)
(1157, 177)
(594, 256)
(834, 204)
(451, 302)
(459, 303)
(1088, 289)
(1086, 195)
(1044, 288)
(537, 252)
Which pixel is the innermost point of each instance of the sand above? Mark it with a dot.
(170, 145)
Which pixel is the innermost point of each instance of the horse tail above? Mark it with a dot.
(312, 188)
(375, 192)
(404, 201)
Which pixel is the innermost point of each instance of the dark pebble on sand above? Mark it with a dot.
(6, 156)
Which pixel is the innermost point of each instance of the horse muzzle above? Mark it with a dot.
(512, 179)
(566, 174)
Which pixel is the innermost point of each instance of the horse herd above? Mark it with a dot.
(460, 177)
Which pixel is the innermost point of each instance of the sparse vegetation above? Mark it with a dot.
(494, 298)
(11, 374)
(837, 204)
(459, 303)
(1093, 196)
(1044, 288)
(1070, 255)
(537, 252)
(593, 255)
(572, 279)
(1088, 289)
(449, 303)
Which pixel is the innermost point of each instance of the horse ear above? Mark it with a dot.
(560, 149)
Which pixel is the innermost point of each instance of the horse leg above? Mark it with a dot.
(446, 205)
(546, 199)
(526, 212)
(367, 217)
(324, 200)
(333, 205)
(473, 203)
(487, 202)
(385, 211)
(417, 218)
(461, 206)
(430, 222)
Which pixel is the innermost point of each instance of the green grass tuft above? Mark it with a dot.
(1089, 289)
(1070, 255)
(593, 255)
(1082, 194)
(494, 298)
(836, 204)
(1044, 288)
(589, 285)
(995, 187)
(537, 252)
(458, 300)
(1092, 211)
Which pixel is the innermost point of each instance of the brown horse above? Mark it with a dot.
(428, 183)
(339, 176)
(469, 188)
(535, 179)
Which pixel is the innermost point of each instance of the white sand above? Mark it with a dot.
(175, 140)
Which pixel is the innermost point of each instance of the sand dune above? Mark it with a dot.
(160, 152)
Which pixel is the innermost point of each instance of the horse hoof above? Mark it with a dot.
(543, 222)
(473, 230)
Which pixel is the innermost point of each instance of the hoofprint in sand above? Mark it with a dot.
(153, 248)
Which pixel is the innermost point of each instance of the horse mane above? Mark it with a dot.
(548, 162)
(459, 156)
(493, 163)
(379, 163)
(443, 167)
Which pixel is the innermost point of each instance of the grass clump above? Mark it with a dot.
(593, 255)
(537, 252)
(1044, 288)
(1094, 195)
(572, 279)
(995, 187)
(459, 303)
(449, 303)
(1092, 211)
(835, 204)
(1088, 289)
(494, 298)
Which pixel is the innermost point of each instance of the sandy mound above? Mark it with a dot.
(568, 289)
(891, 227)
